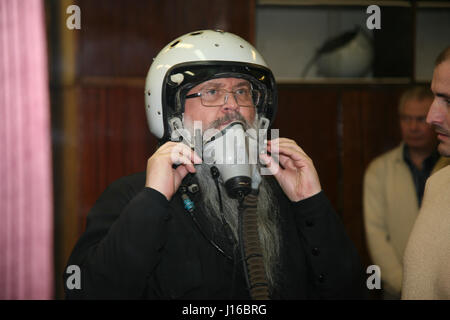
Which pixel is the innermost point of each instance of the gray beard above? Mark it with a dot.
(267, 211)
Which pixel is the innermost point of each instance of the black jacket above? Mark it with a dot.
(137, 245)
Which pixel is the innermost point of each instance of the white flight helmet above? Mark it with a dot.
(197, 57)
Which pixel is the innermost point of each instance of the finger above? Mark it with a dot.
(183, 149)
(180, 173)
(280, 141)
(167, 145)
(270, 163)
(175, 147)
(291, 152)
(179, 159)
(291, 144)
(175, 159)
(288, 144)
(286, 162)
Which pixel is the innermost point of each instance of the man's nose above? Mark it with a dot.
(230, 103)
(434, 115)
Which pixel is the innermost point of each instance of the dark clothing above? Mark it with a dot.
(137, 245)
(420, 176)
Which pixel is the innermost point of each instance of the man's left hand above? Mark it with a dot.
(295, 173)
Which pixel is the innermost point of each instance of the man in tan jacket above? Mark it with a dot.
(393, 188)
(427, 256)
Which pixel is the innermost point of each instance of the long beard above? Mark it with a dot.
(267, 211)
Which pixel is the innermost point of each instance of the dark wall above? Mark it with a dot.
(120, 38)
(342, 128)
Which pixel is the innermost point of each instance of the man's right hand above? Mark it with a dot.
(161, 174)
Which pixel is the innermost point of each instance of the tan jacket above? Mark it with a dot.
(427, 257)
(390, 210)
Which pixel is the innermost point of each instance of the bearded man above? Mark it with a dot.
(175, 231)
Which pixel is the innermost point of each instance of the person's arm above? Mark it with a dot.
(125, 232)
(126, 229)
(427, 255)
(381, 250)
(332, 255)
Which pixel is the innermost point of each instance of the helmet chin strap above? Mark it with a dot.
(180, 133)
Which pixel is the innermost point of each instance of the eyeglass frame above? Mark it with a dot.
(251, 90)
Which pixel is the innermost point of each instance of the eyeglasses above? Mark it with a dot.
(244, 97)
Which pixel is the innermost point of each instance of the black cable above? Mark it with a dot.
(215, 174)
(249, 243)
(251, 251)
(190, 208)
(241, 243)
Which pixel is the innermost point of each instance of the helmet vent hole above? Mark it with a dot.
(216, 44)
(196, 33)
(174, 44)
(241, 46)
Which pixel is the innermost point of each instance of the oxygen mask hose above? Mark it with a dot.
(251, 247)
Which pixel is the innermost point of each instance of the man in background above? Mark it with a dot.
(394, 185)
(427, 256)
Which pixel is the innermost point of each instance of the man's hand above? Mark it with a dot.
(161, 174)
(296, 175)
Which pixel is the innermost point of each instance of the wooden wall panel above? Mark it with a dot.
(381, 130)
(120, 38)
(115, 139)
(309, 116)
(342, 128)
(370, 127)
